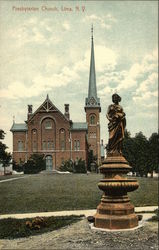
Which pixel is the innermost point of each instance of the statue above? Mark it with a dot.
(115, 210)
(116, 125)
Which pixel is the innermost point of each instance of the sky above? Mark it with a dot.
(45, 49)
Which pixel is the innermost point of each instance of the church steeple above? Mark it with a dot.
(93, 109)
(92, 92)
(92, 99)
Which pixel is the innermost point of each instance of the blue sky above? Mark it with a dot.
(49, 52)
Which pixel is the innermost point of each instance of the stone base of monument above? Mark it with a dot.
(118, 219)
(140, 225)
(115, 210)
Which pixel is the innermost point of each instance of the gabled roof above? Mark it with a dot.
(47, 106)
(79, 126)
(19, 127)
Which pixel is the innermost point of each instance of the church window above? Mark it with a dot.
(62, 139)
(92, 135)
(52, 145)
(20, 146)
(92, 119)
(34, 146)
(78, 145)
(34, 140)
(44, 145)
(48, 145)
(62, 145)
(75, 145)
(48, 125)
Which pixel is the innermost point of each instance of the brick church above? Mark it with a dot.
(50, 132)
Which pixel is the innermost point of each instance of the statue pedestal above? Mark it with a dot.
(115, 210)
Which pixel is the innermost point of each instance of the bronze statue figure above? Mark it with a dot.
(115, 210)
(116, 125)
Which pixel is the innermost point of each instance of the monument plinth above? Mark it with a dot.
(115, 210)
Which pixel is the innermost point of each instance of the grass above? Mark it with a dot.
(146, 194)
(17, 228)
(42, 193)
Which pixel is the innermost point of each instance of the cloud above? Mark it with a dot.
(104, 21)
(52, 63)
(66, 25)
(105, 59)
(35, 31)
(140, 78)
(40, 84)
(147, 88)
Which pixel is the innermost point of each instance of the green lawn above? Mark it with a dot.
(56, 192)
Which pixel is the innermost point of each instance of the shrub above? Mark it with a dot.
(36, 223)
(66, 166)
(35, 164)
(80, 166)
(18, 167)
(76, 167)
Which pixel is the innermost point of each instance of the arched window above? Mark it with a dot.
(48, 124)
(34, 140)
(20, 146)
(44, 145)
(62, 139)
(76, 145)
(48, 134)
(92, 119)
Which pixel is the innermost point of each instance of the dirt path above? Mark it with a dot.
(80, 236)
(13, 179)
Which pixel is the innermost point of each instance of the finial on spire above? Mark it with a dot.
(13, 119)
(92, 32)
(47, 97)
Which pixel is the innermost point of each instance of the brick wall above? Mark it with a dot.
(19, 155)
(37, 134)
(94, 131)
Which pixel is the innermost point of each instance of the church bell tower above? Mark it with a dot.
(93, 108)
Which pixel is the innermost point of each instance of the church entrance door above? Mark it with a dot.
(49, 162)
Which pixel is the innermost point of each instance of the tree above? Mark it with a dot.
(80, 166)
(5, 157)
(141, 153)
(135, 151)
(153, 153)
(35, 164)
(90, 159)
(129, 150)
(67, 166)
